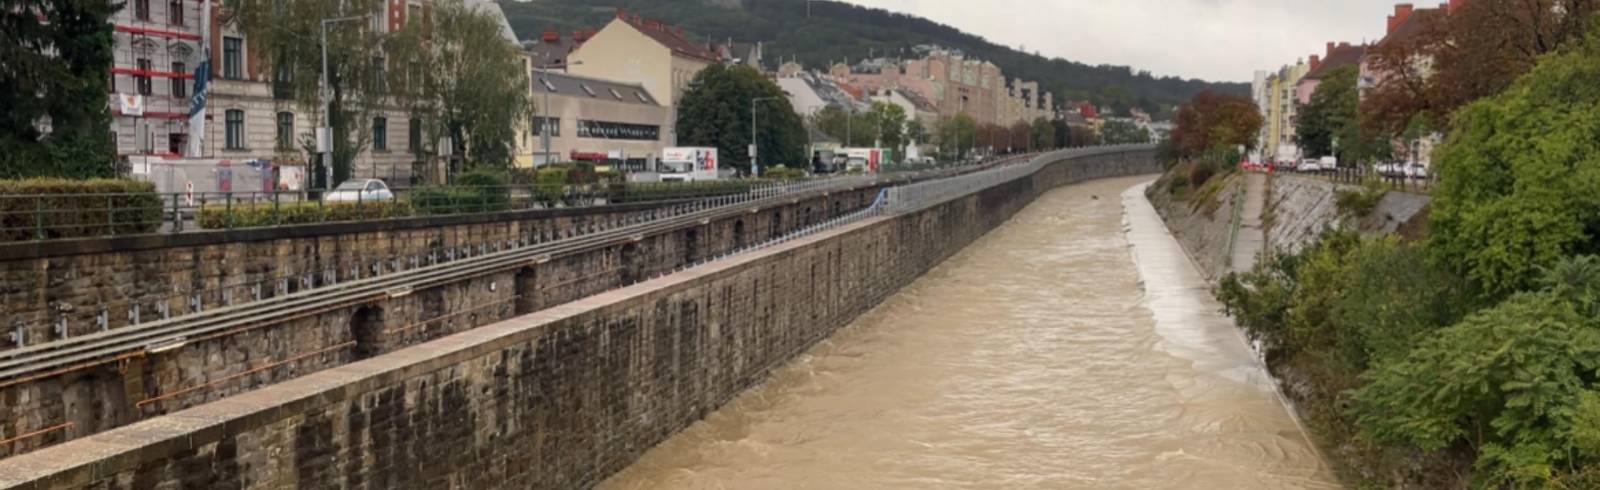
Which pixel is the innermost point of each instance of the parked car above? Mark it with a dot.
(360, 190)
(1392, 169)
(1417, 171)
(1329, 163)
(1309, 165)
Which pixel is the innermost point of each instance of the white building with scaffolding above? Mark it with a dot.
(159, 45)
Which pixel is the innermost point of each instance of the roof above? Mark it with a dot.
(917, 100)
(1342, 56)
(594, 88)
(1412, 26)
(670, 36)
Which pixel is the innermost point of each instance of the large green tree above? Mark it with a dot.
(54, 62)
(467, 80)
(715, 112)
(887, 122)
(285, 36)
(956, 135)
(1331, 123)
(1518, 175)
(1044, 134)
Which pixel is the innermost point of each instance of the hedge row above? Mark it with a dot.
(214, 216)
(34, 209)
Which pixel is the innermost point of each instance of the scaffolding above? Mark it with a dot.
(157, 47)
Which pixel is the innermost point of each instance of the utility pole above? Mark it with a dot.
(755, 167)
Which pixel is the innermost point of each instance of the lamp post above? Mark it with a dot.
(327, 101)
(755, 167)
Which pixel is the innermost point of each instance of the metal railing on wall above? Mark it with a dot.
(922, 195)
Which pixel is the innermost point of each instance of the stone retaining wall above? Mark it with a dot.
(560, 398)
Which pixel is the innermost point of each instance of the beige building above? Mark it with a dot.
(593, 120)
(657, 56)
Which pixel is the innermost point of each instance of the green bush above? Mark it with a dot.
(1360, 203)
(221, 216)
(481, 190)
(62, 208)
(783, 173)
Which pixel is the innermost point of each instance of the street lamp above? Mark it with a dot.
(755, 168)
(544, 118)
(327, 101)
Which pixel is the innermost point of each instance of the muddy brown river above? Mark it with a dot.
(1073, 347)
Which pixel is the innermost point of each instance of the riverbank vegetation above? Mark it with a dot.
(1469, 357)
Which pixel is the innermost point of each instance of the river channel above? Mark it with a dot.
(1073, 347)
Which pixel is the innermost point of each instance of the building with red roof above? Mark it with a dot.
(661, 57)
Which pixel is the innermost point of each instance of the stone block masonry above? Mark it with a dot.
(560, 398)
(40, 411)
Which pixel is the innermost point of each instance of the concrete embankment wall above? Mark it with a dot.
(1298, 210)
(560, 398)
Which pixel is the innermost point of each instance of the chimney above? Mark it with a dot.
(551, 37)
(1344, 44)
(1315, 62)
(1456, 5)
(1329, 53)
(1401, 13)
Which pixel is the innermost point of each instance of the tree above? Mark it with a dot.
(1044, 134)
(1120, 132)
(1518, 173)
(474, 87)
(285, 36)
(1331, 123)
(957, 135)
(54, 64)
(716, 109)
(1506, 382)
(1474, 51)
(916, 133)
(887, 122)
(1211, 120)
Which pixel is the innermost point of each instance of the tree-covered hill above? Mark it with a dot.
(837, 31)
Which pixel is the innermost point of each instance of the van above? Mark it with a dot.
(1329, 163)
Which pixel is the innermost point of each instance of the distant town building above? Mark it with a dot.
(1342, 55)
(593, 120)
(658, 56)
(953, 84)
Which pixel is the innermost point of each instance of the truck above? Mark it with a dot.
(689, 164)
(864, 160)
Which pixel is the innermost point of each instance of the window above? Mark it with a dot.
(175, 12)
(141, 10)
(235, 129)
(615, 93)
(618, 131)
(141, 82)
(180, 89)
(232, 58)
(380, 134)
(285, 130)
(283, 79)
(641, 97)
(414, 142)
(547, 85)
(555, 126)
(586, 89)
(380, 74)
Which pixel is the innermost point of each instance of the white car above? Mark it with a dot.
(1309, 165)
(1330, 163)
(1417, 171)
(360, 190)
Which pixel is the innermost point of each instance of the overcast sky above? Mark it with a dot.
(1223, 40)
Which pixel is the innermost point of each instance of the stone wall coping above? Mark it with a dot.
(81, 461)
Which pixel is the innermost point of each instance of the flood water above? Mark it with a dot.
(1074, 347)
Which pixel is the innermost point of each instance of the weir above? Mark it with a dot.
(563, 397)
